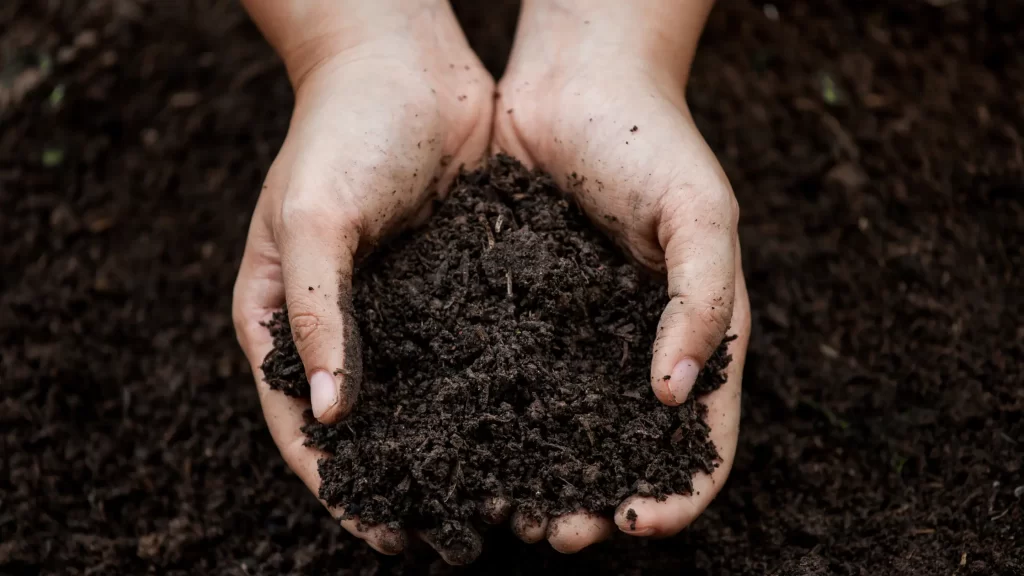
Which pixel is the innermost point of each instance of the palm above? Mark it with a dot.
(632, 147)
(373, 138)
(623, 143)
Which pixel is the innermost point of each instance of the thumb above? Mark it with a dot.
(317, 248)
(701, 277)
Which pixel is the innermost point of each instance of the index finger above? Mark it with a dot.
(649, 517)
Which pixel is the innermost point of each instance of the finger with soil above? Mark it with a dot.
(640, 516)
(285, 417)
(457, 545)
(525, 391)
(530, 527)
(286, 413)
(573, 532)
(495, 510)
(385, 540)
(644, 516)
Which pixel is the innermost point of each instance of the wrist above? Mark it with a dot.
(660, 36)
(309, 33)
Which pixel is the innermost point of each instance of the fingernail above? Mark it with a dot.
(684, 376)
(628, 525)
(323, 392)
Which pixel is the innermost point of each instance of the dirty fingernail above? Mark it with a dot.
(628, 525)
(390, 542)
(640, 532)
(323, 392)
(684, 376)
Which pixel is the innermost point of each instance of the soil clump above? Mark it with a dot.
(507, 350)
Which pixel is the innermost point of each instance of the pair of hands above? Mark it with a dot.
(390, 102)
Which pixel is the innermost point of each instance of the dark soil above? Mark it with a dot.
(506, 352)
(876, 151)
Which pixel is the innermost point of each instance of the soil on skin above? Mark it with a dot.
(876, 150)
(507, 350)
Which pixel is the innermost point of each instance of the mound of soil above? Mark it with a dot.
(507, 349)
(883, 219)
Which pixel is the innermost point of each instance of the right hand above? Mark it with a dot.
(381, 125)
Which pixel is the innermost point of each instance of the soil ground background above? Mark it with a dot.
(876, 150)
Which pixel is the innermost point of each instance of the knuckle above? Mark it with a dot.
(713, 320)
(712, 317)
(715, 209)
(307, 328)
(734, 210)
(642, 251)
(239, 321)
(305, 211)
(245, 329)
(720, 207)
(723, 203)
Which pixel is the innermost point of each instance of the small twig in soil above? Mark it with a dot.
(625, 354)
(508, 282)
(992, 499)
(172, 430)
(455, 480)
(487, 228)
(590, 433)
(1004, 513)
(970, 497)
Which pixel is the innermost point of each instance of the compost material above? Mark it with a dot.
(507, 352)
(876, 152)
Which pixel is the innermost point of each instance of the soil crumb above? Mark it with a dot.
(507, 348)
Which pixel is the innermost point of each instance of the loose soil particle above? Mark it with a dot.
(132, 441)
(507, 349)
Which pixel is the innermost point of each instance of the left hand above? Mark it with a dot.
(597, 99)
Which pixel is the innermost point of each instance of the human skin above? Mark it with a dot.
(594, 94)
(390, 102)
